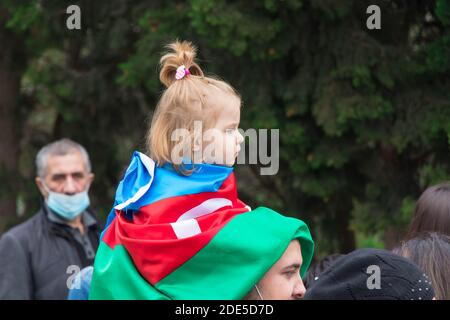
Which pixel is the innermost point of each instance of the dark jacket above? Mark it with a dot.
(35, 256)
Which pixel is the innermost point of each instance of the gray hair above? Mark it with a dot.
(59, 148)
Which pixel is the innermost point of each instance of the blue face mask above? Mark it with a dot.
(68, 206)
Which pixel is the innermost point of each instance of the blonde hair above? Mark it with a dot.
(183, 102)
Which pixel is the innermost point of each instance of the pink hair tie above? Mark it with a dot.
(182, 71)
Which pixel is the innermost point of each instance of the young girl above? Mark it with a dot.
(191, 104)
(174, 228)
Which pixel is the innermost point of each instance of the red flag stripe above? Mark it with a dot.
(155, 246)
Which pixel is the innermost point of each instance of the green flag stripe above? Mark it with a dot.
(116, 277)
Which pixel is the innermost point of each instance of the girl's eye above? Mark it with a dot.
(230, 131)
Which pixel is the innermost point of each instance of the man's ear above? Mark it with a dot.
(40, 185)
(91, 177)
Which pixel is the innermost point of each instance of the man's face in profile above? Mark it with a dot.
(283, 280)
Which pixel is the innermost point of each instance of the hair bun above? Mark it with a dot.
(179, 53)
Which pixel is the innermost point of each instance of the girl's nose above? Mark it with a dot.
(240, 138)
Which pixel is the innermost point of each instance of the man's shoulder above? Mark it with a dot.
(26, 229)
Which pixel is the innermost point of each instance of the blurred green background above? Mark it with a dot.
(364, 115)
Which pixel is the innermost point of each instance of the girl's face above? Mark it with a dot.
(221, 144)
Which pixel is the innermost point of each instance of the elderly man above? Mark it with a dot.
(40, 257)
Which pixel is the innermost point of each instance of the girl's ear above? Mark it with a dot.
(197, 150)
(197, 144)
(198, 156)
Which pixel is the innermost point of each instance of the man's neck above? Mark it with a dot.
(77, 223)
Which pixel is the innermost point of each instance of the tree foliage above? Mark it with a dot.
(364, 115)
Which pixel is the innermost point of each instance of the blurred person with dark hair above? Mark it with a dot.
(318, 267)
(432, 211)
(372, 274)
(430, 251)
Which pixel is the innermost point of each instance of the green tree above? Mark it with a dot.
(364, 115)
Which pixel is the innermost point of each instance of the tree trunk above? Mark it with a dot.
(11, 68)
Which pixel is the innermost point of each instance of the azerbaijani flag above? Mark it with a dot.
(171, 236)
